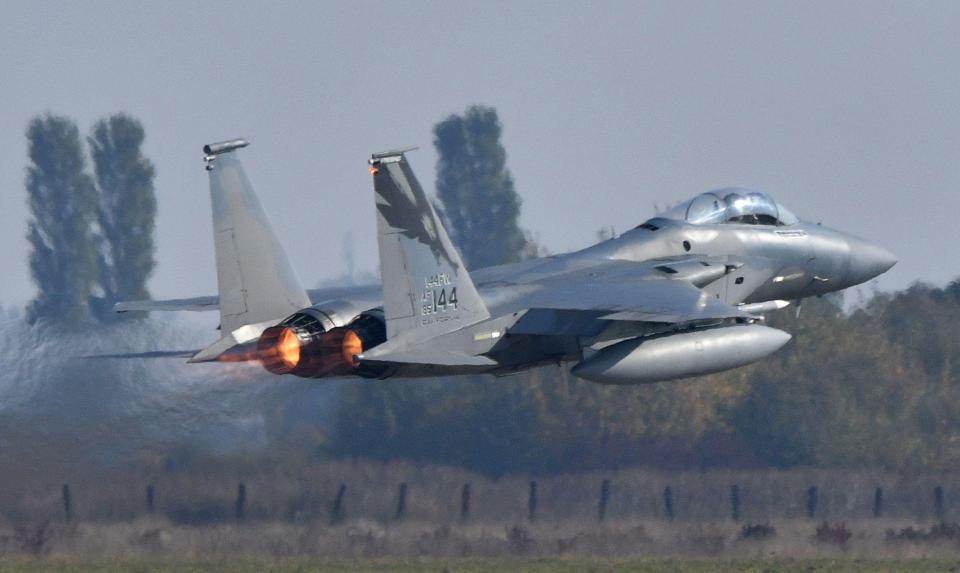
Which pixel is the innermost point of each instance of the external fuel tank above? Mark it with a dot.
(681, 355)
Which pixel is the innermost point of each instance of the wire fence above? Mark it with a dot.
(338, 493)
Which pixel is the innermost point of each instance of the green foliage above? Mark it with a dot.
(126, 213)
(85, 235)
(63, 204)
(875, 388)
(542, 421)
(475, 189)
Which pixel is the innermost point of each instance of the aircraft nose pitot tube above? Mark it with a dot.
(301, 345)
(694, 353)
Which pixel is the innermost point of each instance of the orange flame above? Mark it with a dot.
(352, 345)
(279, 349)
(288, 349)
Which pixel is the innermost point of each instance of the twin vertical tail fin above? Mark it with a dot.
(255, 281)
(426, 289)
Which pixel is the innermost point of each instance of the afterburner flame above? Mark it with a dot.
(288, 349)
(306, 350)
(352, 345)
(279, 349)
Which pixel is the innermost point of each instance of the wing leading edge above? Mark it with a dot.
(626, 291)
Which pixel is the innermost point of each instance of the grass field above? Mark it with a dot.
(482, 566)
(798, 545)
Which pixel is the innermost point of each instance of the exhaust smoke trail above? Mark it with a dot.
(61, 413)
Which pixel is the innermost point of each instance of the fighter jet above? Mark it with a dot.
(681, 295)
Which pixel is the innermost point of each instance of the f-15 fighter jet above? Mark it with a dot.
(678, 296)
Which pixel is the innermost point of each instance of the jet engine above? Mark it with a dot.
(317, 342)
(681, 355)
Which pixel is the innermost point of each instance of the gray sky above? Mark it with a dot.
(847, 112)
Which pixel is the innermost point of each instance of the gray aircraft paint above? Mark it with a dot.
(669, 357)
(426, 289)
(671, 298)
(254, 278)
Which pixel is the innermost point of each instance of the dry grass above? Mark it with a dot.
(288, 514)
(306, 493)
(475, 566)
(363, 539)
(517, 565)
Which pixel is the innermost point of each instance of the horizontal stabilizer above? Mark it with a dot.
(238, 346)
(201, 303)
(227, 349)
(368, 295)
(151, 354)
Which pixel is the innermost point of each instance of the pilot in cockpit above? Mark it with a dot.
(734, 205)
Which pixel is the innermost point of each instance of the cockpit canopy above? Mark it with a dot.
(734, 205)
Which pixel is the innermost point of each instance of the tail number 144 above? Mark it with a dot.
(438, 300)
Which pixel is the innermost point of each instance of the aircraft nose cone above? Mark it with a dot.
(868, 261)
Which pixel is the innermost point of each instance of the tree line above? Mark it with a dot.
(878, 387)
(875, 388)
(90, 234)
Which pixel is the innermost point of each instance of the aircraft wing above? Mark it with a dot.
(617, 290)
(628, 291)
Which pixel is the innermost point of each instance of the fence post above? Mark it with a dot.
(465, 502)
(735, 502)
(402, 501)
(604, 498)
(812, 502)
(337, 514)
(878, 502)
(67, 503)
(938, 502)
(151, 499)
(532, 502)
(241, 502)
(668, 502)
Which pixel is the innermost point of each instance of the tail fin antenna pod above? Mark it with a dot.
(255, 280)
(426, 289)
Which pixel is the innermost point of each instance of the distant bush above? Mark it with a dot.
(199, 514)
(758, 531)
(519, 540)
(852, 390)
(836, 534)
(35, 538)
(940, 532)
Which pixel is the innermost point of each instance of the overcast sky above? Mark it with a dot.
(847, 112)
